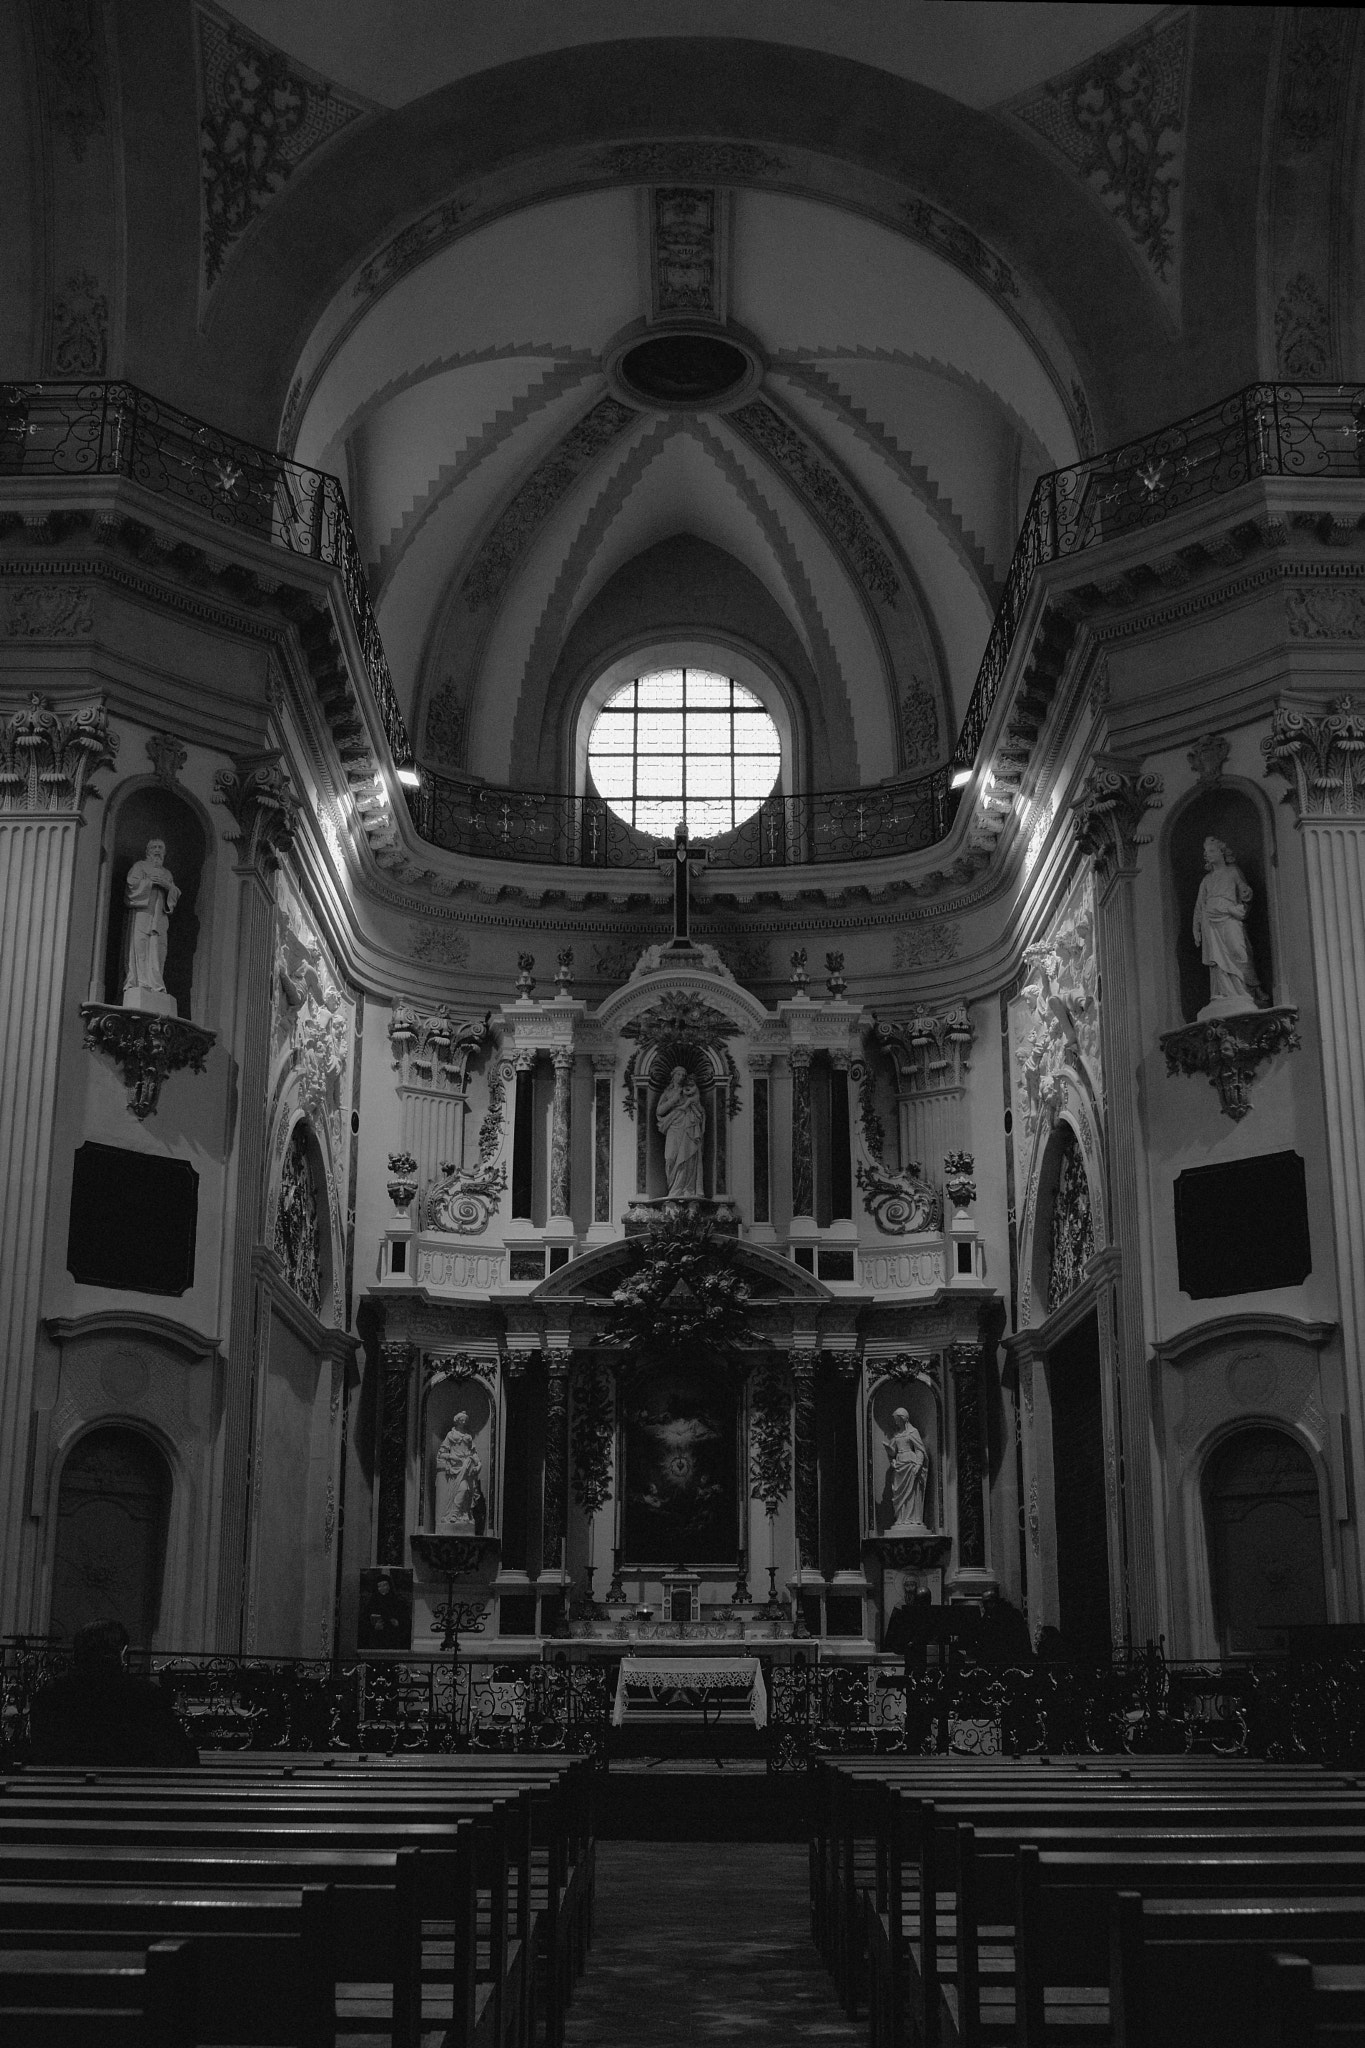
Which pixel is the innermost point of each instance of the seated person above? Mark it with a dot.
(1003, 1637)
(98, 1714)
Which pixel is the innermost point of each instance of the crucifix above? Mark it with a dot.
(682, 858)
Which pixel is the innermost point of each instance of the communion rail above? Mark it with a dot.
(103, 428)
(381, 1705)
(1309, 1709)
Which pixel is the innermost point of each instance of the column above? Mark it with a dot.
(555, 1511)
(46, 761)
(807, 1481)
(965, 1365)
(561, 1140)
(1108, 812)
(840, 1140)
(1320, 759)
(263, 809)
(803, 1176)
(523, 1135)
(603, 1073)
(761, 1101)
(396, 1363)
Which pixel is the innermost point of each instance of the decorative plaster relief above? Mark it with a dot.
(465, 1203)
(899, 1203)
(1118, 122)
(47, 758)
(298, 1226)
(168, 756)
(927, 943)
(261, 115)
(685, 246)
(1230, 1050)
(1316, 41)
(49, 611)
(1302, 340)
(75, 62)
(931, 1052)
(818, 483)
(699, 163)
(80, 327)
(1062, 992)
(432, 1049)
(467, 1272)
(445, 726)
(441, 945)
(581, 446)
(264, 809)
(919, 725)
(1326, 612)
(949, 237)
(901, 1272)
(146, 1048)
(311, 1016)
(409, 247)
(1319, 757)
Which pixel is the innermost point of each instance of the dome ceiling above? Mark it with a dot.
(552, 395)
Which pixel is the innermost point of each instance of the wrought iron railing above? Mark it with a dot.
(106, 429)
(1144, 1705)
(1267, 430)
(378, 1704)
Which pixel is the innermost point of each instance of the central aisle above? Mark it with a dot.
(703, 1941)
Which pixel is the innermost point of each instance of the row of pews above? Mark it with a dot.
(1143, 1903)
(311, 1900)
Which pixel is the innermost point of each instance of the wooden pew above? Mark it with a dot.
(1191, 1973)
(116, 2003)
(1314, 2005)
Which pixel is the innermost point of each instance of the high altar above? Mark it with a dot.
(733, 1389)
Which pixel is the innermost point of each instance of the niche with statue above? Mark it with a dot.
(1225, 965)
(459, 1452)
(904, 1455)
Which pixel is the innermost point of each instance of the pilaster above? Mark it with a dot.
(262, 806)
(1113, 802)
(1320, 758)
(46, 761)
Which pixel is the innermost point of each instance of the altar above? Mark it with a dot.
(676, 1688)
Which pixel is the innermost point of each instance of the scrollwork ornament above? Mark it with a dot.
(770, 1434)
(1110, 808)
(463, 1202)
(146, 1048)
(900, 1204)
(592, 1434)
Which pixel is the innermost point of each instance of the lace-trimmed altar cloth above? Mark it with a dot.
(692, 1678)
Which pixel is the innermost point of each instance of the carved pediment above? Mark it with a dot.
(595, 1277)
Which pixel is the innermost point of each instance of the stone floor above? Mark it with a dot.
(703, 1941)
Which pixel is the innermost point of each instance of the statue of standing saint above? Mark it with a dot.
(150, 895)
(909, 1474)
(1219, 928)
(458, 1460)
(681, 1116)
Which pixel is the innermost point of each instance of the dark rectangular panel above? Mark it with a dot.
(1082, 1521)
(133, 1220)
(1242, 1227)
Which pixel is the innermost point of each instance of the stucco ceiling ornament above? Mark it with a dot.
(818, 483)
(512, 533)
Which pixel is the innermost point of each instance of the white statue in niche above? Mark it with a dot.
(1219, 928)
(151, 896)
(909, 1463)
(459, 1464)
(681, 1117)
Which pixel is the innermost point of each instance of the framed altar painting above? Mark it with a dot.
(679, 1432)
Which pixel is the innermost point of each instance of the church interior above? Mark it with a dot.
(682, 903)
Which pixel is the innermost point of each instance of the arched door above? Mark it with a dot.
(1265, 1540)
(111, 1534)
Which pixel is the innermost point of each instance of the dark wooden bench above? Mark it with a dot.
(1314, 2005)
(87, 2000)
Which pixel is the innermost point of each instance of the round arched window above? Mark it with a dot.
(684, 744)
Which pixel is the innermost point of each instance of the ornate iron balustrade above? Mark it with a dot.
(1274, 1707)
(381, 1705)
(1266, 430)
(531, 825)
(107, 429)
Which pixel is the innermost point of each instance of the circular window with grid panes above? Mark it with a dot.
(684, 744)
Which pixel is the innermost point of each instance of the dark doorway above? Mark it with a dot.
(1079, 1510)
(1264, 1526)
(112, 1511)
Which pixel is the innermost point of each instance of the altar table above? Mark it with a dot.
(691, 1682)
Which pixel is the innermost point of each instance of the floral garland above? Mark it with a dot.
(591, 1433)
(682, 1294)
(770, 1442)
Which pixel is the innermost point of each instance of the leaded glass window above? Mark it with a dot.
(684, 743)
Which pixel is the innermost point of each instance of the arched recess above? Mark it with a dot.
(143, 809)
(1264, 1529)
(1235, 811)
(113, 1505)
(1227, 1375)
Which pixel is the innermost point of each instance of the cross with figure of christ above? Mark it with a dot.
(682, 858)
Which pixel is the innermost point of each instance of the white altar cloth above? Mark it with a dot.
(653, 1677)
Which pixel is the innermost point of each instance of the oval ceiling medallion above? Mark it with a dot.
(684, 369)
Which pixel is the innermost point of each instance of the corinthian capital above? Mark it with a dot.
(1320, 759)
(264, 808)
(47, 759)
(1108, 812)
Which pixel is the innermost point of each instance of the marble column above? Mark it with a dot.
(803, 1174)
(1320, 758)
(1108, 812)
(263, 811)
(396, 1364)
(807, 1480)
(965, 1365)
(46, 761)
(603, 1073)
(760, 1096)
(554, 1527)
(561, 1138)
